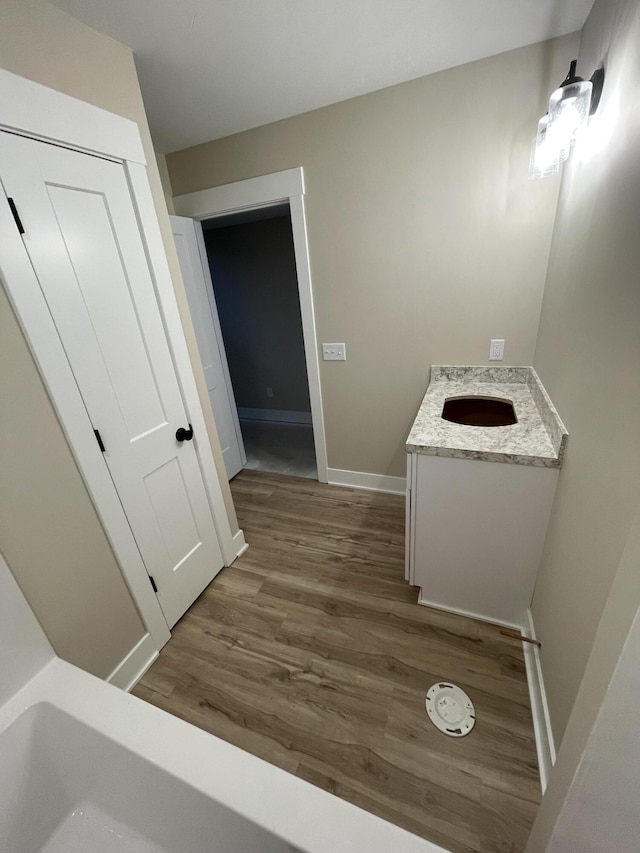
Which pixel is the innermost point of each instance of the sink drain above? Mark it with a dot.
(450, 709)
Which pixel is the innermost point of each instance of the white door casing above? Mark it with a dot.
(196, 276)
(83, 240)
(265, 191)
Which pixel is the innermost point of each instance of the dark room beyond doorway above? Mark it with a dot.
(252, 264)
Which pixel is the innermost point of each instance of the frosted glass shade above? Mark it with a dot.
(569, 113)
(545, 153)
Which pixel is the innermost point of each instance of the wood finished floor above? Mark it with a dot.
(311, 653)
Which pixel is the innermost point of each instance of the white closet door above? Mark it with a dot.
(197, 282)
(84, 242)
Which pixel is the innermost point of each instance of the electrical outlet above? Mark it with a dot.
(496, 350)
(334, 352)
(270, 393)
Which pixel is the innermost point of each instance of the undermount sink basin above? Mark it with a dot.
(476, 410)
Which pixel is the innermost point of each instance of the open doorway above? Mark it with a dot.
(253, 273)
(249, 198)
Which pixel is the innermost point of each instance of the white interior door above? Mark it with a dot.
(83, 239)
(197, 281)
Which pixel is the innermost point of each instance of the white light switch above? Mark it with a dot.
(334, 352)
(496, 350)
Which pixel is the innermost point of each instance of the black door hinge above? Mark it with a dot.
(16, 215)
(153, 583)
(99, 440)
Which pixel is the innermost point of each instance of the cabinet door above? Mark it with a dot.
(83, 239)
(479, 528)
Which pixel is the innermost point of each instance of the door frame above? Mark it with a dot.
(266, 191)
(33, 110)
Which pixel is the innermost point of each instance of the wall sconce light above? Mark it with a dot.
(545, 156)
(569, 109)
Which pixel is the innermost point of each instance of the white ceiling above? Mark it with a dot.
(210, 68)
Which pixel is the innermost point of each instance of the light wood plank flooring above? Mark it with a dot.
(311, 652)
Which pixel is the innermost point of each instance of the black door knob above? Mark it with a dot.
(183, 434)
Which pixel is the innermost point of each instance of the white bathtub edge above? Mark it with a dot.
(262, 793)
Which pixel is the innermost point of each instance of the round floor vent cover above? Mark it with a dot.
(450, 709)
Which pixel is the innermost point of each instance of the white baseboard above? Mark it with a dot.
(470, 614)
(239, 544)
(274, 415)
(539, 708)
(372, 482)
(131, 669)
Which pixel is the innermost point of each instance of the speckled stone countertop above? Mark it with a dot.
(538, 438)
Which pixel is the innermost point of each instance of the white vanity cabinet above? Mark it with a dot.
(475, 533)
(479, 496)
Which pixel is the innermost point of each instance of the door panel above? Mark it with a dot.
(210, 345)
(83, 219)
(83, 240)
(176, 517)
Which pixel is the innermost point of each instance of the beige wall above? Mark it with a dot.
(165, 180)
(77, 592)
(426, 239)
(588, 357)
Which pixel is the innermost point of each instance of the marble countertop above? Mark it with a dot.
(538, 438)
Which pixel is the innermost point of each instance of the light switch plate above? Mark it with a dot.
(334, 352)
(496, 350)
